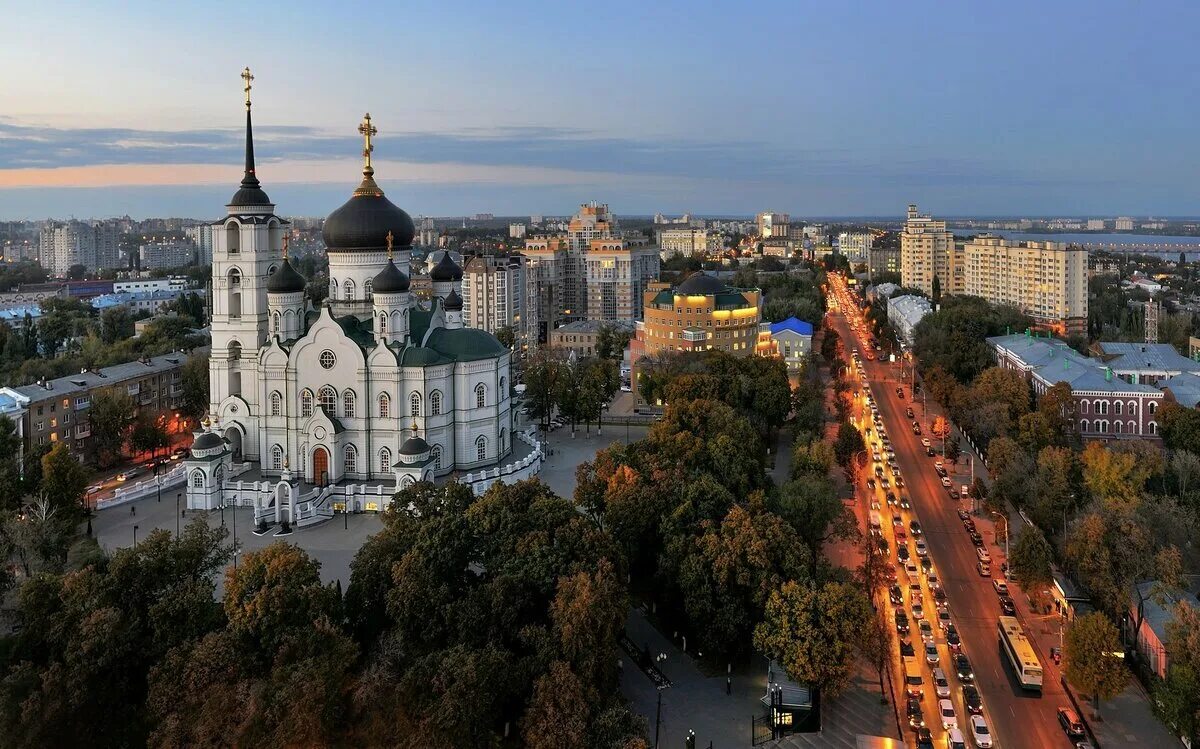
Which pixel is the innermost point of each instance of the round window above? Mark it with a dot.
(328, 359)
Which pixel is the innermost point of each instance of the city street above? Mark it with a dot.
(1016, 718)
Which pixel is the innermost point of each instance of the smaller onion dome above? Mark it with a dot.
(207, 441)
(414, 446)
(454, 302)
(390, 280)
(285, 279)
(446, 269)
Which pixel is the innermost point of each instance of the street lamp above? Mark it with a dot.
(135, 529)
(1005, 519)
(178, 512)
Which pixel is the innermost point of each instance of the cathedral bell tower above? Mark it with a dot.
(247, 246)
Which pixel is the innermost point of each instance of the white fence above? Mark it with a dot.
(128, 493)
(527, 467)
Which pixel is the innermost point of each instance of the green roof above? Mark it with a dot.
(420, 356)
(357, 330)
(731, 299)
(465, 344)
(418, 323)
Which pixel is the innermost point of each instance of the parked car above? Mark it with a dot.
(980, 732)
(929, 451)
(896, 596)
(1001, 587)
(971, 699)
(964, 515)
(962, 667)
(902, 623)
(1007, 607)
(953, 640)
(908, 412)
(1071, 724)
(946, 482)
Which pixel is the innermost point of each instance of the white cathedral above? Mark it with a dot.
(371, 389)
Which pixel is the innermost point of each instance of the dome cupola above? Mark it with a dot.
(365, 220)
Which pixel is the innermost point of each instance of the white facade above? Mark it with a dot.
(161, 255)
(93, 246)
(856, 246)
(202, 237)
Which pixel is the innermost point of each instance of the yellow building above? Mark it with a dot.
(1046, 280)
(927, 250)
(700, 314)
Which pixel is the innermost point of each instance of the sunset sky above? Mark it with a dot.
(819, 109)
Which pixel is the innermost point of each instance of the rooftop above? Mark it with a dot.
(1156, 357)
(1185, 388)
(793, 324)
(593, 326)
(106, 377)
(1054, 361)
(1158, 617)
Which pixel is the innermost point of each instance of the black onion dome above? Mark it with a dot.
(390, 280)
(285, 280)
(701, 284)
(207, 441)
(446, 269)
(414, 446)
(363, 222)
(454, 302)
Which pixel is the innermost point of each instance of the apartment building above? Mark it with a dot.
(927, 250)
(163, 255)
(617, 273)
(855, 246)
(91, 245)
(494, 293)
(688, 241)
(771, 224)
(546, 279)
(57, 410)
(201, 237)
(582, 336)
(593, 221)
(1045, 280)
(882, 260)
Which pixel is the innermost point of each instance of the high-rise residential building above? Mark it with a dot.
(1045, 280)
(494, 293)
(771, 224)
(161, 255)
(545, 277)
(516, 231)
(1124, 223)
(882, 260)
(699, 314)
(593, 221)
(687, 241)
(93, 246)
(201, 236)
(855, 246)
(617, 272)
(927, 250)
(1095, 224)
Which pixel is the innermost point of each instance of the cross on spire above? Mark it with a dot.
(389, 244)
(366, 129)
(285, 246)
(247, 78)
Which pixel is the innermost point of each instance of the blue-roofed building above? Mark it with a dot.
(1184, 388)
(1107, 406)
(790, 339)
(1144, 363)
(1156, 617)
(138, 301)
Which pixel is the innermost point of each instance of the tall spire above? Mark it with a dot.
(250, 192)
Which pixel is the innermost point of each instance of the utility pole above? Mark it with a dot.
(657, 716)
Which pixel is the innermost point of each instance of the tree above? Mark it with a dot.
(557, 714)
(815, 632)
(1180, 426)
(1093, 654)
(1186, 466)
(194, 379)
(507, 336)
(814, 459)
(11, 488)
(1030, 561)
(813, 509)
(116, 324)
(1114, 478)
(848, 444)
(953, 449)
(937, 291)
(147, 435)
(63, 481)
(111, 414)
(1177, 698)
(1058, 490)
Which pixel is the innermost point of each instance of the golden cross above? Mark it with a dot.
(285, 245)
(247, 78)
(367, 130)
(389, 244)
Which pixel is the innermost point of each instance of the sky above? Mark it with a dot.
(846, 108)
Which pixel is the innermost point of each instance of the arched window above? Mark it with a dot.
(276, 403)
(1118, 426)
(1118, 407)
(348, 404)
(232, 237)
(277, 458)
(275, 323)
(328, 400)
(1152, 427)
(1133, 408)
(383, 323)
(1131, 427)
(1083, 425)
(435, 402)
(414, 404)
(350, 460)
(436, 453)
(1083, 407)
(481, 448)
(385, 461)
(1152, 408)
(503, 388)
(480, 396)
(333, 288)
(367, 289)
(385, 406)
(503, 440)
(235, 351)
(348, 290)
(198, 479)
(306, 403)
(235, 277)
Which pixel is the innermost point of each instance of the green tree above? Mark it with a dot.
(1030, 561)
(1092, 652)
(194, 380)
(813, 509)
(11, 483)
(815, 632)
(111, 415)
(63, 481)
(116, 324)
(1180, 426)
(848, 444)
(937, 291)
(1186, 466)
(1177, 698)
(507, 336)
(147, 435)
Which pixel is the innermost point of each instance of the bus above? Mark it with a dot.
(1020, 653)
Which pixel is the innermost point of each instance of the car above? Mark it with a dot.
(916, 428)
(908, 412)
(900, 394)
(1001, 587)
(95, 489)
(896, 596)
(983, 555)
(943, 619)
(126, 475)
(906, 648)
(924, 738)
(897, 521)
(901, 536)
(935, 582)
(926, 565)
(962, 667)
(918, 611)
(926, 630)
(940, 683)
(901, 552)
(904, 503)
(891, 498)
(972, 700)
(902, 623)
(899, 481)
(969, 524)
(955, 740)
(922, 549)
(938, 465)
(977, 539)
(983, 568)
(953, 639)
(883, 482)
(180, 451)
(870, 483)
(932, 656)
(1007, 607)
(874, 503)
(892, 501)
(940, 472)
(964, 515)
(876, 457)
(946, 482)
(911, 570)
(879, 472)
(947, 714)
(925, 442)
(916, 718)
(890, 572)
(929, 451)
(1071, 724)
(915, 527)
(980, 733)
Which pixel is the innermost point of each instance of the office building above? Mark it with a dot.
(927, 250)
(771, 224)
(1045, 280)
(855, 246)
(176, 283)
(494, 293)
(699, 314)
(163, 255)
(617, 273)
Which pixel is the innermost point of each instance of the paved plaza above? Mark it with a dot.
(335, 542)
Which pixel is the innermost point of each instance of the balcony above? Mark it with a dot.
(83, 430)
(694, 335)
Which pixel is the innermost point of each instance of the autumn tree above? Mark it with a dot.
(111, 415)
(64, 482)
(1030, 561)
(1093, 657)
(1114, 478)
(1177, 697)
